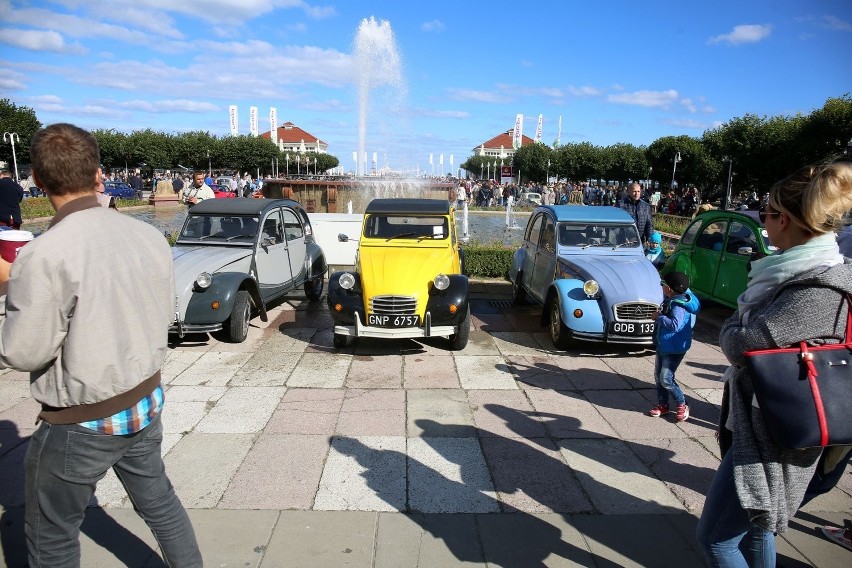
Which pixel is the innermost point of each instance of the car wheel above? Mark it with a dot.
(519, 295)
(458, 340)
(238, 324)
(559, 332)
(313, 288)
(340, 341)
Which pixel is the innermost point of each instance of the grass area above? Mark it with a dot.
(38, 207)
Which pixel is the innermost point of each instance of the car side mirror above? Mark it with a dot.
(745, 251)
(342, 238)
(268, 241)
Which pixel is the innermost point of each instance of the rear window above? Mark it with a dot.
(406, 227)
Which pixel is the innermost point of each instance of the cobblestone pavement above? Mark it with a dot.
(288, 452)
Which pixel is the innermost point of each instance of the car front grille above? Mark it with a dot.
(633, 311)
(393, 305)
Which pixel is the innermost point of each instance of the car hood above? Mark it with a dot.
(402, 271)
(628, 278)
(190, 261)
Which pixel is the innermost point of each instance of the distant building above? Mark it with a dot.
(291, 138)
(500, 146)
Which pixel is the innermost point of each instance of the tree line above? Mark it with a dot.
(759, 151)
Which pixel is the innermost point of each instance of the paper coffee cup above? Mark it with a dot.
(11, 242)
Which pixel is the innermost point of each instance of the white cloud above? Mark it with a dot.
(746, 33)
(477, 96)
(584, 91)
(441, 113)
(835, 23)
(650, 99)
(47, 103)
(176, 105)
(37, 40)
(689, 105)
(685, 123)
(433, 26)
(11, 80)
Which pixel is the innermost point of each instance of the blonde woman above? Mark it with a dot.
(797, 294)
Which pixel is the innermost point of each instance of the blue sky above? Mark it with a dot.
(617, 71)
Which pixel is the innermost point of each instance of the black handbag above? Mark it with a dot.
(804, 392)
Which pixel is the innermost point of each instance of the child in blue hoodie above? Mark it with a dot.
(673, 335)
(654, 250)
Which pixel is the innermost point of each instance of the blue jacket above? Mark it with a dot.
(673, 330)
(641, 213)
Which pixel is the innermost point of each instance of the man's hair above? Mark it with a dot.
(199, 172)
(65, 158)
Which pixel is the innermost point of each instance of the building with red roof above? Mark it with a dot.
(501, 145)
(291, 138)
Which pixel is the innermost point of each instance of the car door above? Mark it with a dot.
(732, 276)
(274, 274)
(706, 256)
(294, 234)
(530, 244)
(545, 259)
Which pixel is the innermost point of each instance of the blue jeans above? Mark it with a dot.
(664, 375)
(63, 465)
(727, 537)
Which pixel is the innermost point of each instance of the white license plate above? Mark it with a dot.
(630, 328)
(386, 320)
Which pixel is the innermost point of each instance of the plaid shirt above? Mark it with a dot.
(131, 420)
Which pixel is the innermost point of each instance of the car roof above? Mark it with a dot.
(240, 206)
(730, 214)
(587, 214)
(409, 205)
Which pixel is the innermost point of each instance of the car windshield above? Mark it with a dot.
(218, 228)
(406, 227)
(584, 235)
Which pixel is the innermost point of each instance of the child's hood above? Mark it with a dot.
(688, 301)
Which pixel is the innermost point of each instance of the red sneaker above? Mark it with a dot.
(659, 410)
(682, 412)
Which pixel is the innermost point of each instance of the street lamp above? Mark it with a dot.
(674, 167)
(287, 163)
(209, 167)
(728, 190)
(650, 183)
(547, 175)
(10, 137)
(495, 170)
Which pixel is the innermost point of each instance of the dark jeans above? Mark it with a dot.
(64, 464)
(725, 534)
(664, 375)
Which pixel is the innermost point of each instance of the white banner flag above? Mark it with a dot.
(441, 160)
(430, 160)
(355, 157)
(538, 130)
(451, 160)
(232, 112)
(375, 157)
(517, 135)
(253, 121)
(273, 125)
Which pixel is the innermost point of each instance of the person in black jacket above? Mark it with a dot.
(11, 194)
(640, 211)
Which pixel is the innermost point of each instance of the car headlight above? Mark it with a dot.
(346, 281)
(204, 280)
(442, 282)
(591, 288)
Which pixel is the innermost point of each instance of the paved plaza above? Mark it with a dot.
(288, 452)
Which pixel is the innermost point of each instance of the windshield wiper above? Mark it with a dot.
(625, 244)
(246, 236)
(584, 247)
(399, 236)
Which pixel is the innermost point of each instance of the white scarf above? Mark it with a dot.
(770, 271)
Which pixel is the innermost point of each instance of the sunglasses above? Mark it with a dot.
(763, 213)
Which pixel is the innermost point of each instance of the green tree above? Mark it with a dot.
(624, 162)
(533, 161)
(22, 121)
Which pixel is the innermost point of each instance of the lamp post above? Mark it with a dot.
(480, 170)
(495, 170)
(650, 183)
(287, 164)
(209, 167)
(547, 174)
(11, 137)
(674, 168)
(728, 189)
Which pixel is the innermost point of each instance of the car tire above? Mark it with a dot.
(559, 332)
(313, 288)
(458, 340)
(519, 295)
(238, 324)
(340, 341)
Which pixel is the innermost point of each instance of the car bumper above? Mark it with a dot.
(181, 328)
(361, 330)
(612, 338)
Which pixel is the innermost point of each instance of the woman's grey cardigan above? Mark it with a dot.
(771, 481)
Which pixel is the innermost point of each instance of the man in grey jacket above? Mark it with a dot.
(93, 336)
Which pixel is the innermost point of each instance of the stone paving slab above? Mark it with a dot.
(320, 370)
(321, 540)
(241, 410)
(567, 414)
(374, 372)
(214, 368)
(507, 414)
(429, 372)
(379, 412)
(306, 411)
(484, 372)
(201, 466)
(444, 412)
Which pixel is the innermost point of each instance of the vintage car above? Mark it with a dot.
(585, 265)
(121, 190)
(715, 251)
(408, 279)
(235, 256)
